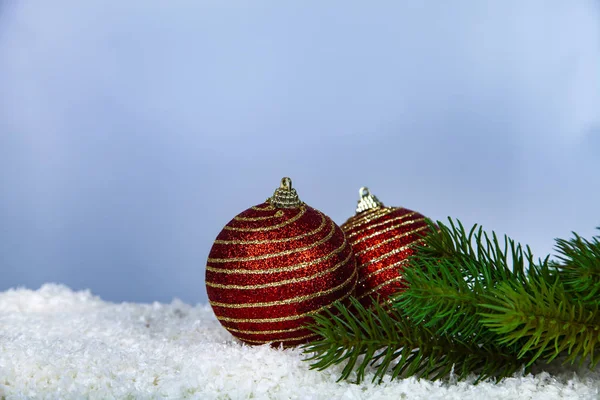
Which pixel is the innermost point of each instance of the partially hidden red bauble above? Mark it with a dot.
(382, 239)
(275, 265)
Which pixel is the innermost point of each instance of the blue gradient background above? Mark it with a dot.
(132, 131)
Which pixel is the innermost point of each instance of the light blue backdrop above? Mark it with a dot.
(132, 131)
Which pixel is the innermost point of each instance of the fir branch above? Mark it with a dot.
(452, 271)
(546, 319)
(390, 343)
(580, 266)
(439, 296)
(505, 259)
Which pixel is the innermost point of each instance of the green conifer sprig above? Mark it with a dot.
(555, 311)
(545, 320)
(453, 272)
(449, 303)
(380, 339)
(473, 304)
(580, 266)
(506, 259)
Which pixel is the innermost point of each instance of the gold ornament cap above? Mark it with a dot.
(285, 196)
(367, 201)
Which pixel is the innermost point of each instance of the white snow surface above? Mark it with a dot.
(56, 343)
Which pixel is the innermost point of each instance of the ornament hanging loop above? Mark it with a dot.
(285, 196)
(286, 183)
(367, 201)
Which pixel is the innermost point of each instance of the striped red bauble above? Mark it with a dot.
(274, 266)
(382, 239)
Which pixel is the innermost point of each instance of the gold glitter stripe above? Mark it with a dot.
(387, 221)
(278, 214)
(376, 288)
(293, 300)
(282, 319)
(367, 218)
(353, 222)
(379, 270)
(391, 239)
(389, 228)
(281, 253)
(391, 253)
(299, 328)
(268, 207)
(369, 215)
(289, 268)
(272, 227)
(271, 241)
(285, 281)
(279, 340)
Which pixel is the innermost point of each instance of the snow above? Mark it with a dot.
(56, 343)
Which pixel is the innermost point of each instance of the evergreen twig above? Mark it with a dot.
(382, 339)
(545, 319)
(452, 272)
(580, 266)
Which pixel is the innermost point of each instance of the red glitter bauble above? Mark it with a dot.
(274, 266)
(382, 239)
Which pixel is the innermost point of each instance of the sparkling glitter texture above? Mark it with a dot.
(273, 266)
(381, 238)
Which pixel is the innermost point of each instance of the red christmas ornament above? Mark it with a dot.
(274, 266)
(382, 239)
